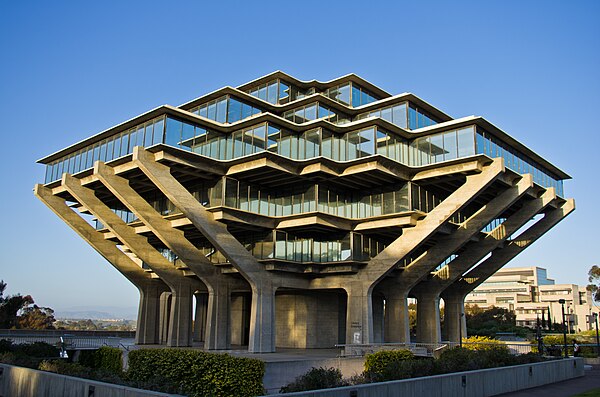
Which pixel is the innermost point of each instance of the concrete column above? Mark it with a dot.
(428, 318)
(217, 335)
(148, 320)
(200, 317)
(359, 316)
(397, 322)
(454, 309)
(180, 318)
(164, 316)
(262, 319)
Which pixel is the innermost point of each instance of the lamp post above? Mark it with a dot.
(597, 338)
(562, 303)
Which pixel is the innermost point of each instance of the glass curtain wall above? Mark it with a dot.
(226, 110)
(404, 115)
(448, 145)
(435, 148)
(290, 247)
(314, 111)
(491, 146)
(350, 94)
(279, 92)
(118, 145)
(395, 114)
(418, 118)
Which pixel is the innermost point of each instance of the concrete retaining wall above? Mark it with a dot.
(280, 373)
(25, 382)
(482, 383)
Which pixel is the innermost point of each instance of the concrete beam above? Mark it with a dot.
(501, 256)
(180, 326)
(176, 241)
(262, 334)
(411, 238)
(150, 288)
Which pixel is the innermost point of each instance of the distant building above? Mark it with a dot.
(529, 293)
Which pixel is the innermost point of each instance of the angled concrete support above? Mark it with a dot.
(180, 320)
(149, 288)
(176, 241)
(446, 246)
(410, 239)
(501, 256)
(262, 332)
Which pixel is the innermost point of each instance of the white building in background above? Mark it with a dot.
(529, 293)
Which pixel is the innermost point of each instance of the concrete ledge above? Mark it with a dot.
(25, 382)
(481, 383)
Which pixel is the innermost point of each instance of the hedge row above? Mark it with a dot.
(401, 364)
(106, 358)
(196, 373)
(452, 360)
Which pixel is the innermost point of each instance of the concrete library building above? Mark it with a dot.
(303, 214)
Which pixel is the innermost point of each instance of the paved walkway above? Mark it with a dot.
(568, 388)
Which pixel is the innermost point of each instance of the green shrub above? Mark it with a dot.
(73, 369)
(481, 343)
(106, 358)
(65, 368)
(198, 373)
(377, 362)
(19, 360)
(38, 349)
(314, 379)
(456, 360)
(406, 369)
(5, 346)
(35, 349)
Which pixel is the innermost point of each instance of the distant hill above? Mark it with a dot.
(96, 313)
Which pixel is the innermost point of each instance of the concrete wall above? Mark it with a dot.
(307, 320)
(240, 318)
(25, 382)
(482, 383)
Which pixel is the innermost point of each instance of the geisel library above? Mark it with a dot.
(303, 213)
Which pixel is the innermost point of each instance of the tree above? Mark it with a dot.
(594, 279)
(10, 307)
(544, 319)
(486, 322)
(16, 312)
(35, 317)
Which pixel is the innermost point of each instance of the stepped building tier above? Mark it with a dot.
(303, 213)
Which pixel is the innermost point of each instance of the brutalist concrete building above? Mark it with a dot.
(303, 213)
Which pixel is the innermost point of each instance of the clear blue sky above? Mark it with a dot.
(71, 69)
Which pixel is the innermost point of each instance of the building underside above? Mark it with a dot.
(296, 246)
